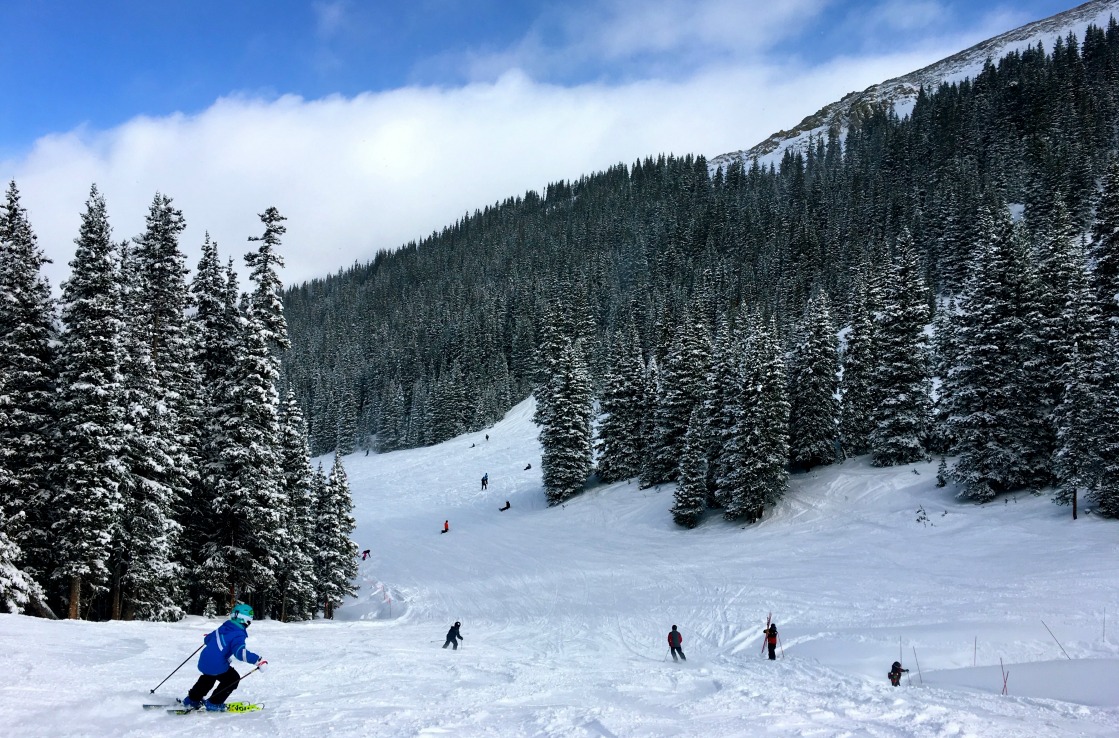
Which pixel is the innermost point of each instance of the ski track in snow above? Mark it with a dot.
(565, 612)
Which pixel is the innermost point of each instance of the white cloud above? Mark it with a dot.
(330, 17)
(357, 175)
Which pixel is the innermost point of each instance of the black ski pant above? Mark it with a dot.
(772, 651)
(451, 642)
(676, 650)
(227, 682)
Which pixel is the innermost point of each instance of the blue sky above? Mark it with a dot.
(234, 106)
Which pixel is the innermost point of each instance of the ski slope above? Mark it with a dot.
(565, 613)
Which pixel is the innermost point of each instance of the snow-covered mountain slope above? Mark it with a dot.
(901, 92)
(565, 613)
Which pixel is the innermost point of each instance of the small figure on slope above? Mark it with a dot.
(771, 640)
(895, 673)
(503, 509)
(485, 480)
(528, 467)
(453, 636)
(365, 554)
(675, 639)
(446, 526)
(222, 645)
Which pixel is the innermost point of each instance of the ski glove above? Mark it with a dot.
(260, 664)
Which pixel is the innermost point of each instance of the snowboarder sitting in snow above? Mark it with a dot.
(222, 645)
(446, 526)
(453, 636)
(771, 640)
(528, 467)
(675, 639)
(503, 509)
(895, 674)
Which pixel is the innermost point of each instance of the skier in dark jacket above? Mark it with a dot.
(895, 673)
(675, 639)
(222, 645)
(771, 640)
(453, 636)
(485, 480)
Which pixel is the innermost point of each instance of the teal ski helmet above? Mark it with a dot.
(242, 614)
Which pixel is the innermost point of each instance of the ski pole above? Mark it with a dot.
(666, 654)
(919, 674)
(188, 658)
(1057, 642)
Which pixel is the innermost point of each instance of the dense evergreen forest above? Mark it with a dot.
(697, 311)
(148, 466)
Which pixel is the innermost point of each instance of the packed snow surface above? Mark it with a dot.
(565, 613)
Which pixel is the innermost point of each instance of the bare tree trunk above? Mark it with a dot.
(1075, 491)
(115, 597)
(75, 597)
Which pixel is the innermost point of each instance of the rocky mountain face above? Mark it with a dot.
(902, 91)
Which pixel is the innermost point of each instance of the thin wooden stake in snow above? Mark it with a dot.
(1057, 642)
(1005, 675)
(974, 649)
(919, 674)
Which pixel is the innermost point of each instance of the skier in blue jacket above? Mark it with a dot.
(223, 645)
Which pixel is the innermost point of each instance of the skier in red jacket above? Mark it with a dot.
(675, 639)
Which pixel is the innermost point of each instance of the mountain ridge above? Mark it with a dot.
(902, 91)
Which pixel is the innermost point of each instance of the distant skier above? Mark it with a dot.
(675, 639)
(895, 673)
(222, 645)
(365, 554)
(771, 640)
(485, 480)
(528, 467)
(503, 509)
(453, 636)
(487, 436)
(446, 526)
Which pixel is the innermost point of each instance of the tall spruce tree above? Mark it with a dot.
(690, 497)
(901, 375)
(990, 405)
(295, 576)
(336, 553)
(858, 399)
(758, 470)
(682, 389)
(87, 499)
(622, 404)
(29, 367)
(565, 432)
(813, 383)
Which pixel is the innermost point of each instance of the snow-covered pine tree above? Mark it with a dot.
(690, 497)
(813, 382)
(29, 366)
(87, 500)
(335, 552)
(1105, 245)
(857, 387)
(18, 591)
(759, 475)
(683, 388)
(217, 327)
(565, 433)
(1077, 418)
(622, 405)
(295, 575)
(720, 408)
(901, 372)
(989, 402)
(163, 377)
(266, 299)
(248, 499)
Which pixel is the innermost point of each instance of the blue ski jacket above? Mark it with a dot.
(222, 646)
